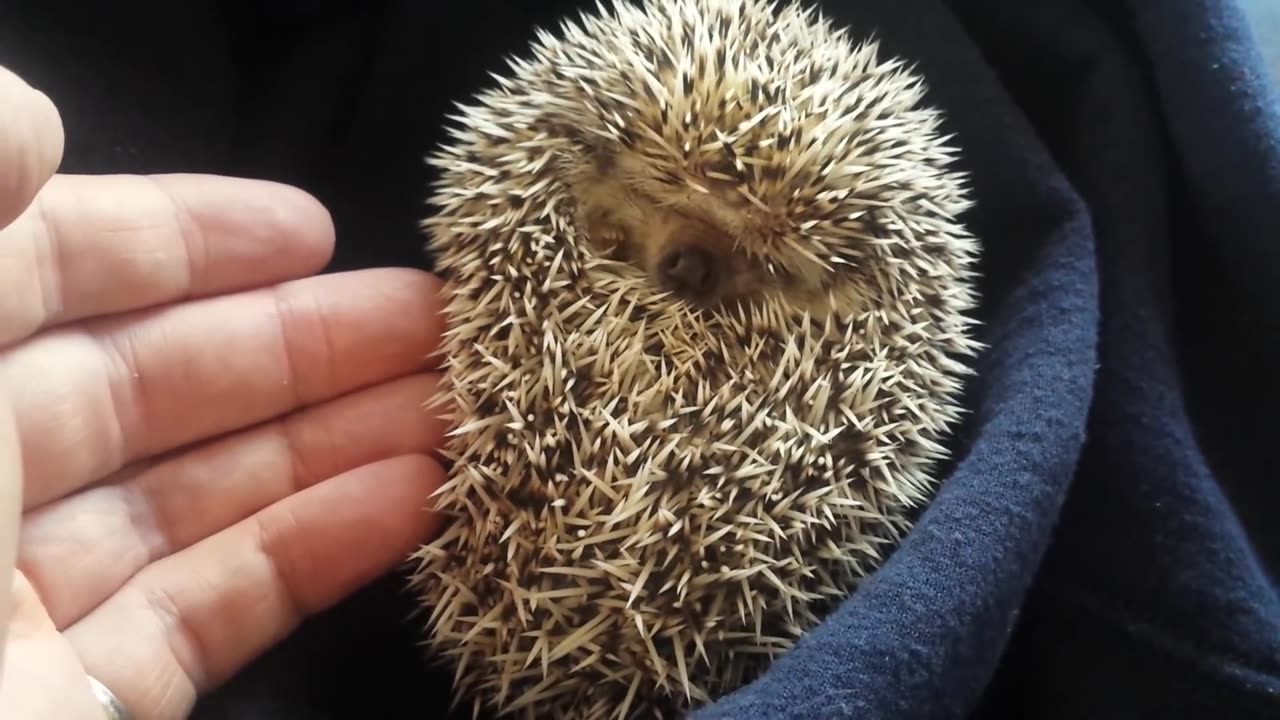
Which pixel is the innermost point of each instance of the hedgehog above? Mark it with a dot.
(708, 292)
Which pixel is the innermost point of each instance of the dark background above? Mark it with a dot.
(344, 98)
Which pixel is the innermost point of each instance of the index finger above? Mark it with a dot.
(94, 245)
(31, 144)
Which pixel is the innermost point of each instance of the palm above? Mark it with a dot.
(207, 449)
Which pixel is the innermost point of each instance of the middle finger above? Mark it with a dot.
(90, 399)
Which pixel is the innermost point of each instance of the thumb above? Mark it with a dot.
(10, 517)
(31, 144)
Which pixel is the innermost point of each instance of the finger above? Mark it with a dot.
(80, 550)
(97, 245)
(31, 144)
(10, 512)
(188, 622)
(42, 677)
(89, 400)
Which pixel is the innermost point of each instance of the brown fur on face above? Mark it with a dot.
(643, 221)
(625, 225)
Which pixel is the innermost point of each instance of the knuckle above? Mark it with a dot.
(31, 143)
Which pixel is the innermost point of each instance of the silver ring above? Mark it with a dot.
(110, 703)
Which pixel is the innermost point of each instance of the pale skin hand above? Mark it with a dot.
(199, 443)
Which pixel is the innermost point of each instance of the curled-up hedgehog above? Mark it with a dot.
(707, 299)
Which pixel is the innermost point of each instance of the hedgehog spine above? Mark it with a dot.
(653, 500)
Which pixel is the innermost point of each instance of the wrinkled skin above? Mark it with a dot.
(194, 435)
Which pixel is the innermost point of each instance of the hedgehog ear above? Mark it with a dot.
(603, 157)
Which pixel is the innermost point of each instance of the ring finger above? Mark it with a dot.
(80, 550)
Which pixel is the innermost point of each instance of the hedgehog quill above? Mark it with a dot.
(708, 296)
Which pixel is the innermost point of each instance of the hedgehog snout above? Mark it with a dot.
(689, 270)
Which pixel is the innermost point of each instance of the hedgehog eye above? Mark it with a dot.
(612, 241)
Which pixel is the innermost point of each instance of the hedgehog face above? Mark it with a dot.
(697, 246)
(679, 252)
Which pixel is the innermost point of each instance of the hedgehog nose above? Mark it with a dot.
(688, 270)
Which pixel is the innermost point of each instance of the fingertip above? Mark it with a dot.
(331, 539)
(414, 478)
(32, 141)
(280, 230)
(300, 214)
(399, 491)
(284, 211)
(429, 291)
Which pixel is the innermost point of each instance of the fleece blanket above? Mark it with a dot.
(1106, 543)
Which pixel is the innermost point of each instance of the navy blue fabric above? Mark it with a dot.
(1106, 543)
(1159, 126)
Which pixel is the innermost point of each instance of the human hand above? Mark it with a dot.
(198, 446)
